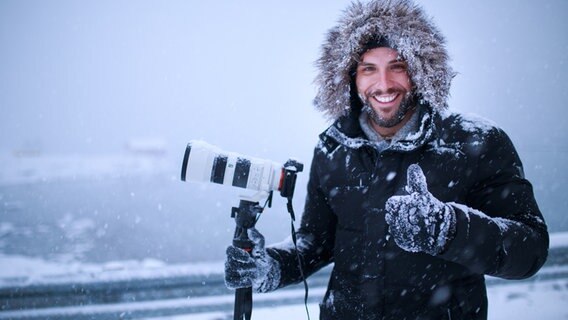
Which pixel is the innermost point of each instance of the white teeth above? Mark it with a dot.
(385, 99)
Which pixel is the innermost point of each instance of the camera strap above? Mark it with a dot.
(298, 257)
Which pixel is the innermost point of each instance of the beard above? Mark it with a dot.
(407, 104)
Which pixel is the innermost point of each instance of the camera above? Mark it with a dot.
(203, 162)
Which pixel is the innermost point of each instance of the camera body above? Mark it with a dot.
(203, 162)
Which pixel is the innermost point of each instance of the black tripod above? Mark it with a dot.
(246, 215)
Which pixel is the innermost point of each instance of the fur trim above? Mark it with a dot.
(410, 32)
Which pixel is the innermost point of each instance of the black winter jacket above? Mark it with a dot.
(469, 164)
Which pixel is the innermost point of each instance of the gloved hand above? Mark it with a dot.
(419, 222)
(257, 270)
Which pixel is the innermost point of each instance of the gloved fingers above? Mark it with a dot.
(257, 238)
(239, 272)
(238, 255)
(391, 213)
(416, 181)
(392, 206)
(414, 215)
(234, 280)
(397, 207)
(240, 268)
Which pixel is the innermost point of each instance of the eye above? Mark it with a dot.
(366, 68)
(398, 67)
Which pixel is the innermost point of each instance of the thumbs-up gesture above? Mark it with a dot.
(418, 221)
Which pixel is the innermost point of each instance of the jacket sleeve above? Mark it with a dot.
(315, 237)
(500, 231)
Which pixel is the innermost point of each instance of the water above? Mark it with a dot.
(152, 214)
(136, 217)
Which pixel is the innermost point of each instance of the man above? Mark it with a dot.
(413, 204)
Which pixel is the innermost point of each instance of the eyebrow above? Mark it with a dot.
(364, 63)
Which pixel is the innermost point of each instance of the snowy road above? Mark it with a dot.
(546, 293)
(540, 300)
(546, 299)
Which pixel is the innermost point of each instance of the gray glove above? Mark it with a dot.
(257, 270)
(419, 222)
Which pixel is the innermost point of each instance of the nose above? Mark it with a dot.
(381, 82)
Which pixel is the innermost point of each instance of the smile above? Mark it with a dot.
(386, 98)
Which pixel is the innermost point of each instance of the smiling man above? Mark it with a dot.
(384, 87)
(412, 203)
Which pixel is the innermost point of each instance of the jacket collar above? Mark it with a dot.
(347, 132)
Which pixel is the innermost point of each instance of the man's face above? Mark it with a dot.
(384, 86)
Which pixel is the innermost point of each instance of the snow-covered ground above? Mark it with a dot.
(521, 301)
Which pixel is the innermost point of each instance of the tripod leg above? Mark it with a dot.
(245, 217)
(243, 304)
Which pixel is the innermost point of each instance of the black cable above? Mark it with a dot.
(298, 257)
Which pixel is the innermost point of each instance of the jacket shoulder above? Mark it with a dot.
(467, 122)
(468, 127)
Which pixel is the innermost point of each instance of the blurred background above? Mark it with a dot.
(99, 98)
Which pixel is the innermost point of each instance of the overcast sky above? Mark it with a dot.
(89, 76)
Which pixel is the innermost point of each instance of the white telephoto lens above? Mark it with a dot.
(206, 163)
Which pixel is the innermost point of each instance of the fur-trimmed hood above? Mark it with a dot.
(407, 28)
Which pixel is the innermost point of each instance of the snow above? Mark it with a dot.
(60, 111)
(519, 301)
(353, 143)
(474, 123)
(21, 270)
(172, 304)
(413, 136)
(303, 242)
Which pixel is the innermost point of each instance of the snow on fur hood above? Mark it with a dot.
(408, 30)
